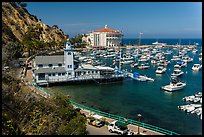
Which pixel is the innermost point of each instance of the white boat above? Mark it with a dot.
(134, 65)
(182, 63)
(194, 51)
(187, 59)
(175, 59)
(168, 52)
(199, 112)
(177, 67)
(144, 78)
(124, 62)
(176, 72)
(174, 85)
(190, 108)
(160, 69)
(143, 66)
(196, 99)
(143, 58)
(189, 98)
(153, 61)
(138, 77)
(196, 67)
(157, 43)
(198, 94)
(184, 107)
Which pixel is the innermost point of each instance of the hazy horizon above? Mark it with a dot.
(154, 19)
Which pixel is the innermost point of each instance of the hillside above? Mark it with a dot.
(16, 21)
(23, 111)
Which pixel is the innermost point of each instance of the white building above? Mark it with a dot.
(63, 68)
(106, 37)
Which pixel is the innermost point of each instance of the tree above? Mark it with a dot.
(23, 5)
(55, 27)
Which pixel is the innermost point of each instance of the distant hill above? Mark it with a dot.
(16, 21)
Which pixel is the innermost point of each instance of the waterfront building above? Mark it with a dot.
(105, 37)
(64, 68)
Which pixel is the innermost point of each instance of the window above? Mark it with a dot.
(41, 76)
(69, 66)
(50, 65)
(59, 74)
(53, 74)
(69, 73)
(40, 65)
(49, 74)
(63, 74)
(59, 65)
(68, 53)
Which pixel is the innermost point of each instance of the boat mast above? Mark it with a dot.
(120, 61)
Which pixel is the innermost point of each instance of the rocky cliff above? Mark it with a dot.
(16, 21)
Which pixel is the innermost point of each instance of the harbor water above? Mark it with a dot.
(129, 97)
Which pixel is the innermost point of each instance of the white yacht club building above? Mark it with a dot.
(105, 37)
(63, 68)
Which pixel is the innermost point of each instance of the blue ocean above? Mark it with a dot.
(129, 97)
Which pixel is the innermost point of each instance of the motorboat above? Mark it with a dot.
(190, 108)
(175, 58)
(160, 69)
(153, 61)
(144, 58)
(189, 98)
(138, 77)
(157, 43)
(174, 85)
(143, 66)
(177, 67)
(187, 59)
(134, 65)
(198, 94)
(182, 63)
(196, 67)
(124, 62)
(177, 72)
(194, 51)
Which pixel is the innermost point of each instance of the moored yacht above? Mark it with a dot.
(174, 85)
(138, 77)
(160, 69)
(187, 59)
(196, 67)
(182, 63)
(177, 72)
(143, 66)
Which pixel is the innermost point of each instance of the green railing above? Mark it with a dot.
(42, 89)
(130, 121)
(108, 115)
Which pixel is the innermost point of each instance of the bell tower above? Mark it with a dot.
(68, 57)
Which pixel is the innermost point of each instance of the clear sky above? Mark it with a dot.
(154, 19)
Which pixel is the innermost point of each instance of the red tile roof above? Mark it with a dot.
(107, 30)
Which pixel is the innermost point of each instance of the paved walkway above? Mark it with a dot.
(133, 128)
